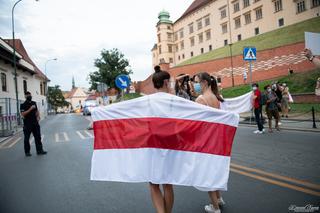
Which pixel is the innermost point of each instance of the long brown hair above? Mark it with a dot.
(212, 82)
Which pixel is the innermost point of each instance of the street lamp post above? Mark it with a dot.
(230, 45)
(46, 88)
(14, 61)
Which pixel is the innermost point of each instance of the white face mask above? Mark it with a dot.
(269, 89)
(254, 88)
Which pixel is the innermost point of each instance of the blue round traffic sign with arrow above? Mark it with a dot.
(122, 81)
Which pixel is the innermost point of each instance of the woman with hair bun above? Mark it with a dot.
(163, 203)
(207, 87)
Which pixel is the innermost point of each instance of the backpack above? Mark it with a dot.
(263, 99)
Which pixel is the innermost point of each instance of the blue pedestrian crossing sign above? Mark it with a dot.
(122, 81)
(249, 54)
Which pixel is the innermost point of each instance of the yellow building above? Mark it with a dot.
(210, 24)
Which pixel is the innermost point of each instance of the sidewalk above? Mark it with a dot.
(298, 122)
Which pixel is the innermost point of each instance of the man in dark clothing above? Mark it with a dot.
(31, 117)
(271, 108)
(257, 108)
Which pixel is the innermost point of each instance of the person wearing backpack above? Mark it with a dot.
(257, 106)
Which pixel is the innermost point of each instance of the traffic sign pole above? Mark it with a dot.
(250, 70)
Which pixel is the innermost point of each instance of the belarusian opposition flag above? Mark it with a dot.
(161, 138)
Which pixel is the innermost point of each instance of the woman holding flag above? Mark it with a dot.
(162, 203)
(207, 87)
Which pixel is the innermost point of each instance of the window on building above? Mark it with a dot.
(199, 24)
(181, 45)
(181, 33)
(223, 13)
(208, 34)
(168, 27)
(237, 22)
(246, 3)
(247, 18)
(210, 47)
(219, 80)
(160, 49)
(161, 61)
(169, 35)
(179, 57)
(315, 3)
(192, 41)
(175, 36)
(277, 5)
(236, 7)
(226, 42)
(170, 48)
(191, 54)
(200, 36)
(239, 37)
(159, 38)
(41, 88)
(207, 20)
(4, 82)
(224, 28)
(191, 28)
(202, 50)
(158, 28)
(256, 31)
(182, 56)
(259, 13)
(171, 60)
(301, 6)
(25, 86)
(281, 22)
(177, 48)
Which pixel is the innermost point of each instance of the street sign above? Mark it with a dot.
(249, 54)
(102, 87)
(122, 81)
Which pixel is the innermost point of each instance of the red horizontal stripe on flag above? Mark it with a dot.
(164, 133)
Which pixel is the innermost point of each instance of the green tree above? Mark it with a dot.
(111, 64)
(55, 97)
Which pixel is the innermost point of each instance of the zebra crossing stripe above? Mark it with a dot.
(88, 133)
(81, 135)
(66, 136)
(14, 142)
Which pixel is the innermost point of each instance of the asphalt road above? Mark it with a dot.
(269, 173)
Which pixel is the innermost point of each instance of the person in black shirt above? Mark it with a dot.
(31, 117)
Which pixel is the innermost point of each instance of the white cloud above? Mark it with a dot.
(75, 31)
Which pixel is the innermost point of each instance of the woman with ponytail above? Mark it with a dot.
(207, 88)
(162, 202)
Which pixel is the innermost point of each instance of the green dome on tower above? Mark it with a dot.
(164, 17)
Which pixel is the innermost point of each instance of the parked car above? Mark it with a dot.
(89, 105)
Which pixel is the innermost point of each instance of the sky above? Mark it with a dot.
(75, 32)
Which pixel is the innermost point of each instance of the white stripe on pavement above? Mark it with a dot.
(88, 133)
(57, 137)
(81, 136)
(5, 143)
(14, 142)
(66, 136)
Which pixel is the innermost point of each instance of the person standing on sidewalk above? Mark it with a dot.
(271, 108)
(31, 117)
(257, 106)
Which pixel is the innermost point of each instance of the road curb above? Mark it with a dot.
(285, 128)
(14, 134)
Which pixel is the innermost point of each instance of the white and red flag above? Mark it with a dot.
(162, 138)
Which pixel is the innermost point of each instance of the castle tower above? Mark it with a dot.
(163, 50)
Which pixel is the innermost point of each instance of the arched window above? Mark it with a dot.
(25, 86)
(4, 82)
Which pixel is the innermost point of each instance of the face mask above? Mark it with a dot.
(254, 88)
(29, 98)
(197, 87)
(269, 90)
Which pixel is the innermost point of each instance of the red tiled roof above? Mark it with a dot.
(193, 7)
(22, 51)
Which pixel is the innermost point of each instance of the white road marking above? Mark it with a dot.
(66, 136)
(88, 133)
(5, 143)
(81, 136)
(57, 137)
(14, 142)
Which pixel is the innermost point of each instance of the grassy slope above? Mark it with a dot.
(280, 37)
